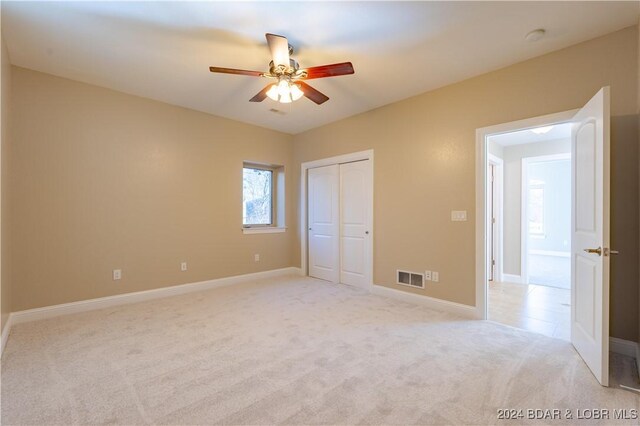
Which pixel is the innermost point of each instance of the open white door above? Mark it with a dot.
(590, 235)
(324, 221)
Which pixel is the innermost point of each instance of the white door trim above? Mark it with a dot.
(481, 192)
(346, 158)
(524, 208)
(499, 204)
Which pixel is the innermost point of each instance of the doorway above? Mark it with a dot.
(590, 251)
(546, 209)
(530, 287)
(338, 207)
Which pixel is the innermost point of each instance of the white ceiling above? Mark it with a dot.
(162, 50)
(559, 131)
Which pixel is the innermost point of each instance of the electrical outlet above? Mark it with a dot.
(427, 275)
(117, 274)
(435, 277)
(256, 257)
(183, 266)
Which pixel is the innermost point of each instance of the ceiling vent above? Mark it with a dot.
(411, 279)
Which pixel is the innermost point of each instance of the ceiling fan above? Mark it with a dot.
(288, 85)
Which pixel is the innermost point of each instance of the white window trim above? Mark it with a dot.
(264, 230)
(255, 166)
(277, 224)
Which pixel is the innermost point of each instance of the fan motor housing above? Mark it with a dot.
(279, 70)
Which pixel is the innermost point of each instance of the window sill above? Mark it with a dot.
(264, 230)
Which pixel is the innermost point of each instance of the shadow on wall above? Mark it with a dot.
(625, 225)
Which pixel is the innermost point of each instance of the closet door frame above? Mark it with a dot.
(304, 167)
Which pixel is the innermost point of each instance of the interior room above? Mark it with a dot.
(530, 229)
(319, 212)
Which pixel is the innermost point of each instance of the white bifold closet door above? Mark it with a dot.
(354, 229)
(324, 222)
(339, 200)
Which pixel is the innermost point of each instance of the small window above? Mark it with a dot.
(257, 196)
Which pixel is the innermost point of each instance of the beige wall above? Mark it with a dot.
(425, 162)
(512, 201)
(5, 95)
(104, 180)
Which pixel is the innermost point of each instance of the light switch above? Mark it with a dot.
(458, 215)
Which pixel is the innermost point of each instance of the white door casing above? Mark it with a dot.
(324, 221)
(355, 235)
(491, 222)
(590, 231)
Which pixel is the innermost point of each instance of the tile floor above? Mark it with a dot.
(537, 308)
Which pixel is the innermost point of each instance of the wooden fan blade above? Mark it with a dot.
(279, 47)
(334, 70)
(261, 95)
(311, 93)
(235, 71)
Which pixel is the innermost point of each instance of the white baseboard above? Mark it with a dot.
(510, 278)
(141, 296)
(430, 302)
(5, 334)
(623, 347)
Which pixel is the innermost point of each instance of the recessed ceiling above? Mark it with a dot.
(162, 50)
(520, 137)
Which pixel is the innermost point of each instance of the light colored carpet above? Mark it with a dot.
(290, 350)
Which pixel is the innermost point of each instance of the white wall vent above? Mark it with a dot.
(411, 279)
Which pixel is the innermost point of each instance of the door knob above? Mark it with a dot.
(597, 251)
(366, 232)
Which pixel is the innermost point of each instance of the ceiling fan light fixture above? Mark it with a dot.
(284, 92)
(289, 86)
(296, 93)
(272, 93)
(283, 89)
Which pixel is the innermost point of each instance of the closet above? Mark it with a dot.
(339, 229)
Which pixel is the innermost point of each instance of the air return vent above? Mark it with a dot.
(412, 279)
